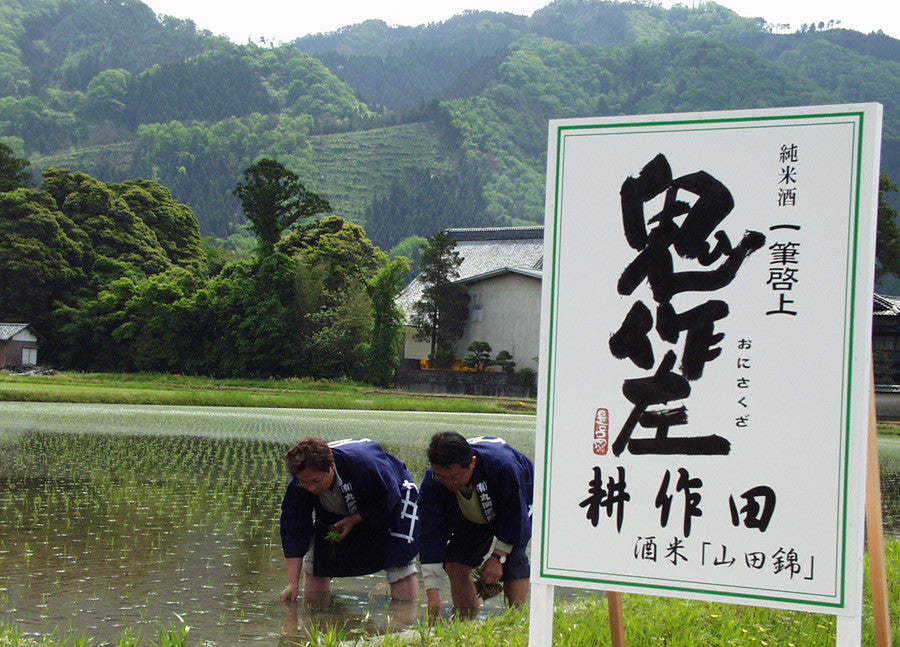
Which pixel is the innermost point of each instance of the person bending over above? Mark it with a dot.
(475, 510)
(350, 509)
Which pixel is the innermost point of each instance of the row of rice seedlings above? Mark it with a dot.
(140, 503)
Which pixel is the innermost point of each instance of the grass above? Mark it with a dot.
(584, 622)
(652, 621)
(125, 388)
(889, 428)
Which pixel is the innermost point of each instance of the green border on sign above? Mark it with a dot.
(856, 118)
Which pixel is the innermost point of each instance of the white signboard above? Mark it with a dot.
(705, 358)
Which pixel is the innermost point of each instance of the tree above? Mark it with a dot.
(479, 356)
(106, 95)
(12, 170)
(336, 262)
(505, 361)
(443, 311)
(887, 245)
(387, 327)
(43, 255)
(274, 199)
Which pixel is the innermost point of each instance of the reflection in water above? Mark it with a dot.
(115, 517)
(333, 616)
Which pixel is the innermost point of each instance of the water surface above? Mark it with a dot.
(115, 516)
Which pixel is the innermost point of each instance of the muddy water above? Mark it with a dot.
(115, 517)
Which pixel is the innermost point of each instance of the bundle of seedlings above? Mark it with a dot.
(485, 591)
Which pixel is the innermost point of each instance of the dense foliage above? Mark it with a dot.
(367, 114)
(62, 244)
(425, 201)
(306, 314)
(887, 244)
(13, 170)
(115, 278)
(440, 316)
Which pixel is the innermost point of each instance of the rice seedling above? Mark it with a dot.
(485, 591)
(126, 512)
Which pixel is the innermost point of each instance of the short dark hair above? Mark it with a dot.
(309, 453)
(449, 448)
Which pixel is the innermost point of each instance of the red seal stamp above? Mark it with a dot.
(601, 432)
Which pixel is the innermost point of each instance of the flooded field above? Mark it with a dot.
(136, 516)
(129, 516)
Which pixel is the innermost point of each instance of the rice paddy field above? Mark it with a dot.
(116, 517)
(125, 519)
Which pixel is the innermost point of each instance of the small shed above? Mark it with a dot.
(18, 345)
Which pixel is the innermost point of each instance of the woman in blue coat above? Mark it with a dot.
(350, 509)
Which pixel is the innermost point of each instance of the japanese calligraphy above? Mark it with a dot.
(744, 366)
(784, 269)
(654, 263)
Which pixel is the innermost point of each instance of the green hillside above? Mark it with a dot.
(369, 114)
(352, 168)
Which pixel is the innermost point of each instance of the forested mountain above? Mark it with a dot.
(405, 130)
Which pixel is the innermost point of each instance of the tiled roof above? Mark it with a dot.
(9, 330)
(885, 305)
(524, 271)
(486, 250)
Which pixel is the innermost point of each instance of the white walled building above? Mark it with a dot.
(502, 267)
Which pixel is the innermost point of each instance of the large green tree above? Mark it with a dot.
(274, 199)
(441, 314)
(887, 245)
(43, 255)
(387, 325)
(13, 170)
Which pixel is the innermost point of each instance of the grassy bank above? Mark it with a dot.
(584, 622)
(108, 388)
(889, 429)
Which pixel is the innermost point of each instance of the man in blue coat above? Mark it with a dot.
(475, 510)
(350, 509)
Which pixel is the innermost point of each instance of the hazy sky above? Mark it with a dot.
(284, 20)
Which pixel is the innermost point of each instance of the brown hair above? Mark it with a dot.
(309, 453)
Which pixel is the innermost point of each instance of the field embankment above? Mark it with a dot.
(109, 388)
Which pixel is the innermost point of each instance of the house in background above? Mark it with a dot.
(18, 345)
(505, 311)
(502, 268)
(885, 335)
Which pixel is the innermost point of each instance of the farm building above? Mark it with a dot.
(18, 345)
(502, 268)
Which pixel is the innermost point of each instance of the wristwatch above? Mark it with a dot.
(500, 557)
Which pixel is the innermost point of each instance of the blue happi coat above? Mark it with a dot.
(374, 484)
(504, 483)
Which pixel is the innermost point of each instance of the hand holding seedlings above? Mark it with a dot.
(344, 526)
